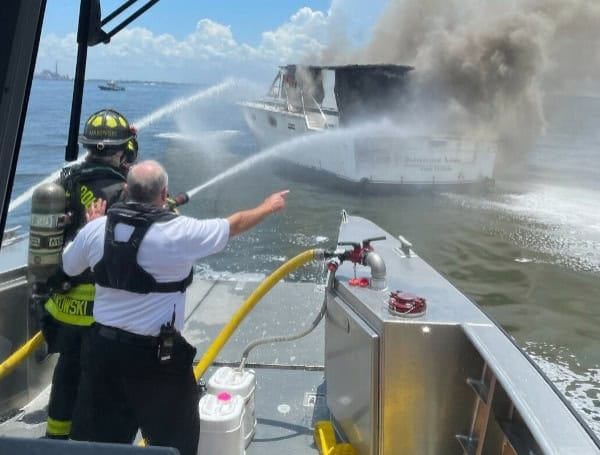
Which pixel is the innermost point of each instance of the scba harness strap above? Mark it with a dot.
(98, 180)
(118, 268)
(73, 177)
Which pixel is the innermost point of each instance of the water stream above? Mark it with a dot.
(319, 140)
(169, 109)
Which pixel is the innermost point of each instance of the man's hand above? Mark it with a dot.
(95, 210)
(246, 219)
(276, 201)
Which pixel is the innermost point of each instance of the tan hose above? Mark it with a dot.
(30, 346)
(251, 301)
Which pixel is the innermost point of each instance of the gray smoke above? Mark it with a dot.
(482, 67)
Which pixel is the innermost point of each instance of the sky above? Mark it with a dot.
(205, 41)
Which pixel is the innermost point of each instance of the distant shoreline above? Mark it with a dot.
(124, 81)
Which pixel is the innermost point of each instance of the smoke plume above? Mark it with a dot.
(482, 67)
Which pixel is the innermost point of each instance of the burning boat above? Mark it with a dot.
(366, 143)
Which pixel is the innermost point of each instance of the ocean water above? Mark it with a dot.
(527, 251)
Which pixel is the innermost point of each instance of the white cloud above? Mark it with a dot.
(207, 54)
(303, 37)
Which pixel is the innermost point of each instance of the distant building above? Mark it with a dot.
(52, 75)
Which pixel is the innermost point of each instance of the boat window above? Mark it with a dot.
(363, 91)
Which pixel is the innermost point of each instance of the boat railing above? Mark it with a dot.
(315, 119)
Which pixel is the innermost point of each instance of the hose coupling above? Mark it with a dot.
(333, 264)
(319, 254)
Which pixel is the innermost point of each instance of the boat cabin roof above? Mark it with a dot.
(368, 67)
(360, 90)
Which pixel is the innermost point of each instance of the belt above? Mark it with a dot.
(122, 336)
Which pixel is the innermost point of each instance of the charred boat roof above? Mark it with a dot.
(373, 67)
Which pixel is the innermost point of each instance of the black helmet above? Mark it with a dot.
(106, 132)
(131, 151)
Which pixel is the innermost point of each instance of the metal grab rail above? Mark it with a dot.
(21, 354)
(307, 115)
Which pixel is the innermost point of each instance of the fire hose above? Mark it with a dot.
(20, 354)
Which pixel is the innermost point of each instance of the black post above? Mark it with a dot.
(72, 149)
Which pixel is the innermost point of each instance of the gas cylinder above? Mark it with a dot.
(46, 234)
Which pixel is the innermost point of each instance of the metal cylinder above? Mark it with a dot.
(378, 270)
(46, 232)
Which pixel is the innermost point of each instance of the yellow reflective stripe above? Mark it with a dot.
(111, 122)
(58, 427)
(74, 307)
(58, 312)
(82, 292)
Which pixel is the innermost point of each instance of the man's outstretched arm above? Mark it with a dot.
(246, 219)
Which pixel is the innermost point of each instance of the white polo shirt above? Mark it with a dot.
(168, 251)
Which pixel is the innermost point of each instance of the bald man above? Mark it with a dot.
(140, 371)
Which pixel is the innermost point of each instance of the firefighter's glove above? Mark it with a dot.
(171, 205)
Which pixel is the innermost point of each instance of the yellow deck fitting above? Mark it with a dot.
(326, 443)
(344, 448)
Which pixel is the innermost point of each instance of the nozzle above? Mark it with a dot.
(181, 198)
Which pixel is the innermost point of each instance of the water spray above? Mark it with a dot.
(181, 103)
(291, 145)
(141, 123)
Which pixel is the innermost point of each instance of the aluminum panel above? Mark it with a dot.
(352, 375)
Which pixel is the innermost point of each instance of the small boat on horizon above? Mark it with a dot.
(373, 148)
(111, 85)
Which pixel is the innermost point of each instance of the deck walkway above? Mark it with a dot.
(289, 384)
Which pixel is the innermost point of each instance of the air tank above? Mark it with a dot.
(46, 233)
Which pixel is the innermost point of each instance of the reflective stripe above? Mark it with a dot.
(75, 307)
(58, 427)
(82, 292)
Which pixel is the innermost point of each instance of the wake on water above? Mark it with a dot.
(570, 214)
(579, 388)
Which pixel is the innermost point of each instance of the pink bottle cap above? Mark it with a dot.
(223, 396)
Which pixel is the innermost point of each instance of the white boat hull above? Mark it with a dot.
(366, 159)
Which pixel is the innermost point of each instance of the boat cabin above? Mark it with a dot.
(354, 91)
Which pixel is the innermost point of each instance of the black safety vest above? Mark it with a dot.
(85, 183)
(118, 268)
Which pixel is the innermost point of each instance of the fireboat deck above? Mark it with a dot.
(453, 379)
(289, 375)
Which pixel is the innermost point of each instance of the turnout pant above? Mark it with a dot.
(67, 341)
(124, 387)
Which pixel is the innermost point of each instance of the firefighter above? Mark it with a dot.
(111, 145)
(138, 372)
